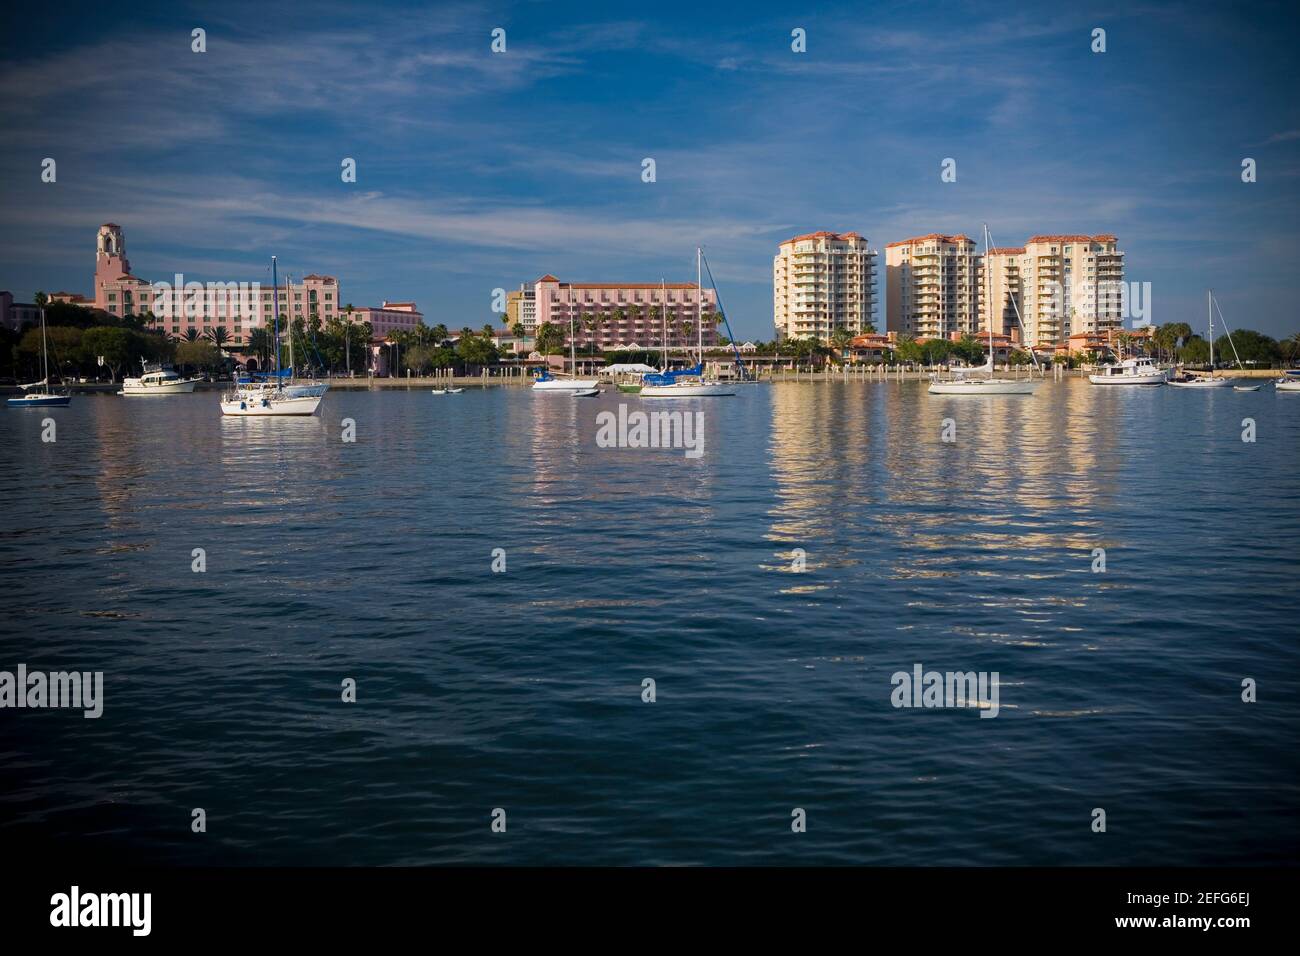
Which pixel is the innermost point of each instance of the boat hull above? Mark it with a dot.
(1204, 383)
(997, 386)
(1147, 378)
(39, 401)
(630, 389)
(133, 387)
(1288, 386)
(261, 406)
(565, 385)
(687, 390)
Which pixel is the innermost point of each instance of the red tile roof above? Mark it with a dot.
(1007, 251)
(934, 235)
(823, 235)
(632, 285)
(1103, 237)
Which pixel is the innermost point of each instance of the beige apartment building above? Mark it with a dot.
(1069, 284)
(821, 282)
(1000, 295)
(932, 286)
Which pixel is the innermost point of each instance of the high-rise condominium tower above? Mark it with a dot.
(821, 282)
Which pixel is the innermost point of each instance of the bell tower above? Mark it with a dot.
(110, 260)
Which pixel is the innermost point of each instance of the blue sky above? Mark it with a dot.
(479, 170)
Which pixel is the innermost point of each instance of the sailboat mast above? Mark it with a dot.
(45, 350)
(988, 298)
(288, 283)
(663, 317)
(699, 305)
(1209, 310)
(275, 297)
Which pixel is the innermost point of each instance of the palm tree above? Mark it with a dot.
(841, 338)
(219, 337)
(684, 328)
(191, 334)
(591, 320)
(259, 343)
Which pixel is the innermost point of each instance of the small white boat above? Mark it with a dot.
(548, 383)
(1132, 371)
(1192, 382)
(1245, 388)
(437, 391)
(984, 386)
(158, 380)
(585, 392)
(454, 391)
(1289, 382)
(268, 402)
(697, 389)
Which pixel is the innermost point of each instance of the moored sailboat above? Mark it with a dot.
(1191, 381)
(546, 382)
(42, 398)
(269, 399)
(989, 385)
(688, 382)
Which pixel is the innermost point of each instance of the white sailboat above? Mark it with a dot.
(988, 385)
(42, 398)
(1213, 381)
(546, 382)
(691, 382)
(1289, 382)
(269, 399)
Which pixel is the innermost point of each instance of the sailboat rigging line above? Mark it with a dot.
(740, 366)
(988, 297)
(1228, 331)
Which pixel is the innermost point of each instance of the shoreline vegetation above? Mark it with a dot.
(836, 375)
(91, 350)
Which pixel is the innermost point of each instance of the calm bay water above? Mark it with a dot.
(522, 690)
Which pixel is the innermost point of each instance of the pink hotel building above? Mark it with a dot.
(238, 306)
(628, 313)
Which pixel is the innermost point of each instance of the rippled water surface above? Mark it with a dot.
(523, 690)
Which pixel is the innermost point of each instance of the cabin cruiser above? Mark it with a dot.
(1131, 371)
(158, 380)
